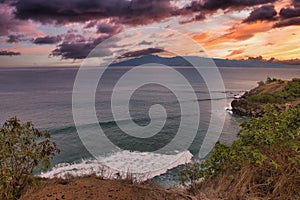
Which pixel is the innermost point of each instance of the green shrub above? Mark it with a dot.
(23, 148)
(261, 83)
(290, 92)
(270, 80)
(264, 161)
(293, 88)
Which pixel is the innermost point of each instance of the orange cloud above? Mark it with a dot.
(201, 37)
(240, 32)
(235, 52)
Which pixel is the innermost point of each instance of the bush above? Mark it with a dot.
(265, 98)
(261, 83)
(264, 162)
(270, 80)
(23, 149)
(293, 88)
(289, 93)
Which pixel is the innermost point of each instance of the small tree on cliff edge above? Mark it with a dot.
(23, 148)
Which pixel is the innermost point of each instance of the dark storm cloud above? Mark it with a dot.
(296, 3)
(15, 38)
(289, 16)
(213, 5)
(197, 17)
(135, 12)
(72, 50)
(210, 6)
(9, 53)
(91, 24)
(70, 31)
(289, 12)
(109, 28)
(77, 47)
(145, 43)
(142, 52)
(288, 22)
(47, 40)
(73, 38)
(262, 13)
(4, 1)
(7, 22)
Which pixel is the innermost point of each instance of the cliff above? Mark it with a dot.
(282, 94)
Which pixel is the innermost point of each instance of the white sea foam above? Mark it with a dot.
(142, 165)
(228, 108)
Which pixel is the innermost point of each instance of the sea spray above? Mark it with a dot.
(126, 162)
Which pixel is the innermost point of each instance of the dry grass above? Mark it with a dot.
(95, 188)
(258, 182)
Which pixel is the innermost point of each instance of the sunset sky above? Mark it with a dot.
(63, 32)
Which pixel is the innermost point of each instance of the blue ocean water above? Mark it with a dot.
(43, 95)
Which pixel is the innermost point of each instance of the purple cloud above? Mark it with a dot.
(289, 12)
(289, 16)
(77, 47)
(288, 22)
(47, 40)
(262, 13)
(145, 43)
(8, 23)
(199, 17)
(72, 50)
(135, 12)
(15, 38)
(141, 52)
(9, 53)
(110, 29)
(296, 3)
(213, 5)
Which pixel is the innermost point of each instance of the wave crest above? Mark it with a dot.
(140, 165)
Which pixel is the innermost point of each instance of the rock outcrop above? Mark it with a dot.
(281, 94)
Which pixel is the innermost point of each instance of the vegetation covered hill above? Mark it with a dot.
(282, 94)
(263, 163)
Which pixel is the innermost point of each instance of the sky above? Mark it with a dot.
(64, 32)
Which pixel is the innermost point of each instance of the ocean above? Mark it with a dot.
(43, 95)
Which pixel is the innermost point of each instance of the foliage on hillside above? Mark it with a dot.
(23, 148)
(275, 91)
(263, 163)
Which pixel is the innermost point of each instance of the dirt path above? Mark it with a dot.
(94, 188)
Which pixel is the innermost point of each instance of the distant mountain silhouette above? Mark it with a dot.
(181, 61)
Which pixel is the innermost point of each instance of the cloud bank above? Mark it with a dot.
(9, 53)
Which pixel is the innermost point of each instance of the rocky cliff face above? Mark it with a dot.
(245, 108)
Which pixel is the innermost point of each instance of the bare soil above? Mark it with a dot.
(95, 188)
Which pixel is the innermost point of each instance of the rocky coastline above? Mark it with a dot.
(281, 94)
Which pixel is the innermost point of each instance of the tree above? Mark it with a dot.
(23, 149)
